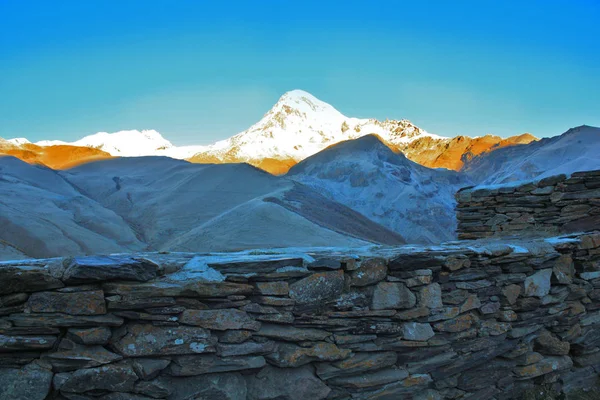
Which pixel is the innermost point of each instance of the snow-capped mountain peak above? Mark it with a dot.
(19, 141)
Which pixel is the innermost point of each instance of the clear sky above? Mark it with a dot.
(199, 71)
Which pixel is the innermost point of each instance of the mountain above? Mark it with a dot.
(43, 215)
(578, 149)
(298, 126)
(365, 175)
(55, 156)
(158, 203)
(131, 143)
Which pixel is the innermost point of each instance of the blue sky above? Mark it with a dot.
(200, 71)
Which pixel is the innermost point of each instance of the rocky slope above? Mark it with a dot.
(129, 204)
(365, 175)
(578, 149)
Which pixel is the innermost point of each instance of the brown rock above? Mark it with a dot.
(318, 287)
(371, 271)
(76, 303)
(390, 295)
(290, 355)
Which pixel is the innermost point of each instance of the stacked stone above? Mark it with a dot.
(477, 321)
(550, 206)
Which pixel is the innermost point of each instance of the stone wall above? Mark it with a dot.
(547, 207)
(476, 320)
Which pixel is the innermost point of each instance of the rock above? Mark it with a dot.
(149, 340)
(511, 293)
(290, 355)
(13, 343)
(225, 386)
(546, 343)
(431, 296)
(235, 336)
(564, 269)
(77, 303)
(246, 348)
(290, 333)
(13, 299)
(210, 363)
(489, 308)
(156, 389)
(370, 379)
(321, 286)
(113, 377)
(370, 272)
(523, 331)
(493, 328)
(280, 288)
(412, 314)
(132, 303)
(71, 356)
(191, 288)
(220, 319)
(474, 285)
(457, 324)
(286, 383)
(66, 320)
(390, 295)
(149, 368)
(545, 366)
(99, 335)
(538, 284)
(32, 382)
(105, 268)
(356, 364)
(471, 303)
(26, 279)
(417, 331)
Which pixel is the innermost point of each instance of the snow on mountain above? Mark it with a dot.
(300, 125)
(18, 141)
(130, 143)
(365, 175)
(578, 149)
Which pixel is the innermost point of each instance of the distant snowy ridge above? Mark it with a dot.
(130, 143)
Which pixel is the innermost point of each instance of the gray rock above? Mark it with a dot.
(16, 343)
(32, 382)
(538, 284)
(280, 288)
(564, 269)
(235, 336)
(105, 268)
(290, 355)
(210, 363)
(246, 348)
(318, 287)
(113, 377)
(370, 379)
(156, 389)
(390, 295)
(431, 296)
(370, 272)
(356, 364)
(290, 333)
(417, 331)
(225, 386)
(150, 340)
(98, 335)
(76, 303)
(66, 320)
(220, 319)
(71, 356)
(149, 368)
(190, 288)
(26, 279)
(543, 367)
(286, 384)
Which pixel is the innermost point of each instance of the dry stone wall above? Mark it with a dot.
(473, 320)
(554, 205)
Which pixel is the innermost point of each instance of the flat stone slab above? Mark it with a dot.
(107, 268)
(26, 278)
(149, 340)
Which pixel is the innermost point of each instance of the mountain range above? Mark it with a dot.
(334, 181)
(297, 126)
